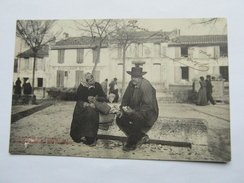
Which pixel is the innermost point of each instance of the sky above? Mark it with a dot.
(186, 26)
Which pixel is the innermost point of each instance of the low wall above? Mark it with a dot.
(182, 93)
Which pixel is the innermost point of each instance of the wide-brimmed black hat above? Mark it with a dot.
(136, 71)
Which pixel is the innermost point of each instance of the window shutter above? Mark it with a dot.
(78, 77)
(61, 56)
(216, 52)
(177, 52)
(177, 74)
(26, 64)
(95, 55)
(80, 56)
(190, 53)
(97, 76)
(60, 78)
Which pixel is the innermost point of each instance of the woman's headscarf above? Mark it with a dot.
(87, 76)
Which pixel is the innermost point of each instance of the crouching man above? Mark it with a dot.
(138, 110)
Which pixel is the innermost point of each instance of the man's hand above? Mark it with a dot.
(86, 104)
(128, 110)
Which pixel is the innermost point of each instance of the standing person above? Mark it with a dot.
(113, 88)
(104, 85)
(138, 110)
(209, 88)
(17, 90)
(202, 93)
(85, 120)
(27, 87)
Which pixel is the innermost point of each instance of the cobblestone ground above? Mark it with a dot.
(207, 128)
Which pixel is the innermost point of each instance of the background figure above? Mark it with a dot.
(202, 93)
(104, 85)
(85, 120)
(209, 88)
(27, 87)
(18, 87)
(138, 110)
(113, 88)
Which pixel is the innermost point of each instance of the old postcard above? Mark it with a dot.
(151, 89)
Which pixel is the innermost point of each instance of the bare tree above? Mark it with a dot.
(36, 34)
(127, 32)
(210, 22)
(98, 30)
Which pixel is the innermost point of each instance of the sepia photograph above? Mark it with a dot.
(141, 89)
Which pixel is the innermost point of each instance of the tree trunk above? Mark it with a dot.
(98, 49)
(33, 74)
(123, 73)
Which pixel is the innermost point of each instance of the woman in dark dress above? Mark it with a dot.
(27, 87)
(18, 87)
(202, 93)
(85, 121)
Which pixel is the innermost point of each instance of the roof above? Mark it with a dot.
(43, 52)
(78, 42)
(146, 36)
(202, 39)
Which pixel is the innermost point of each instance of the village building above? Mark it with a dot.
(173, 62)
(24, 69)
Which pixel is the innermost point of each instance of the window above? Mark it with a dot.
(60, 56)
(78, 77)
(185, 73)
(39, 82)
(224, 72)
(164, 51)
(157, 50)
(95, 55)
(184, 51)
(40, 64)
(60, 78)
(223, 51)
(97, 75)
(15, 65)
(28, 64)
(216, 51)
(80, 56)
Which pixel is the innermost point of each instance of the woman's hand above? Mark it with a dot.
(91, 99)
(92, 105)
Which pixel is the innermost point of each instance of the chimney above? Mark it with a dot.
(65, 35)
(176, 32)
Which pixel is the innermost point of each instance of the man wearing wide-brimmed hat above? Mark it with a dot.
(138, 110)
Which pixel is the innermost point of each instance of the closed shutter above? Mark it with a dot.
(78, 77)
(97, 76)
(80, 56)
(60, 78)
(60, 56)
(95, 55)
(190, 53)
(177, 52)
(216, 52)
(177, 74)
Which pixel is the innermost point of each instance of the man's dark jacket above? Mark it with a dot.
(142, 98)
